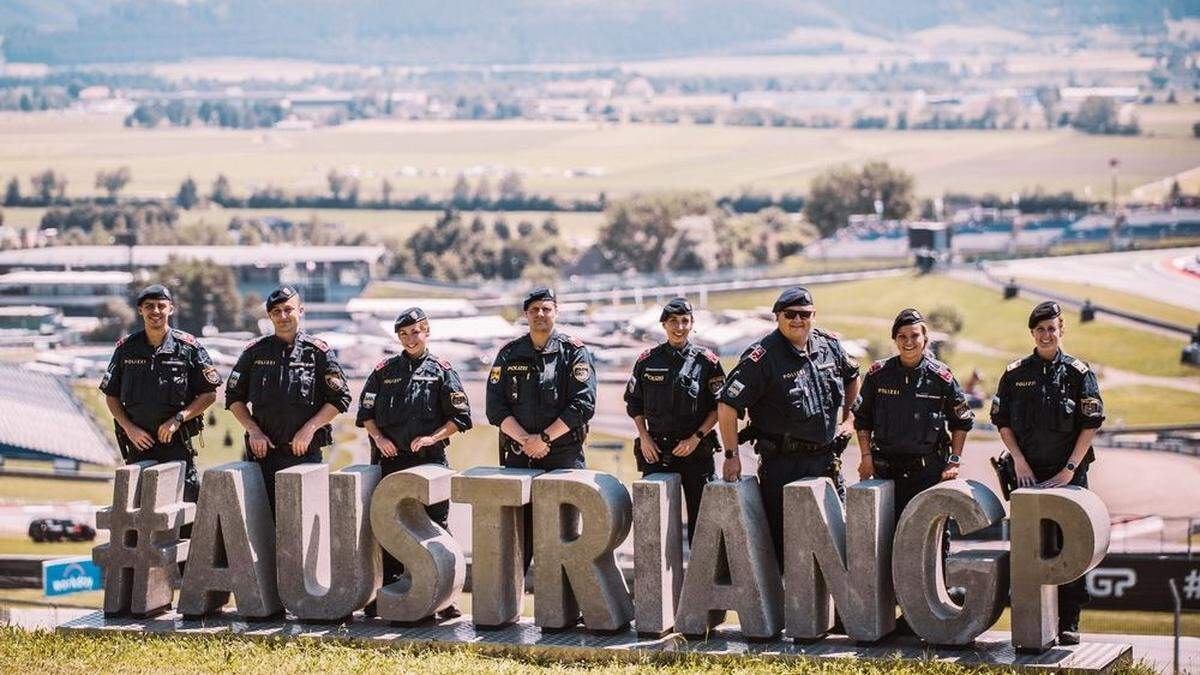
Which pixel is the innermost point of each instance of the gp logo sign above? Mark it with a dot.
(71, 575)
(1111, 582)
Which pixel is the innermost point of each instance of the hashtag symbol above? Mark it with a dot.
(1191, 585)
(141, 559)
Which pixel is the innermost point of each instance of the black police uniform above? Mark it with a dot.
(908, 411)
(284, 386)
(793, 397)
(1047, 404)
(155, 383)
(407, 398)
(675, 390)
(538, 387)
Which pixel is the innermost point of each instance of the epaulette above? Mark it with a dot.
(318, 343)
(445, 364)
(1014, 365)
(755, 352)
(382, 364)
(710, 355)
(122, 340)
(942, 370)
(1079, 365)
(644, 355)
(576, 342)
(832, 334)
(254, 342)
(875, 367)
(184, 336)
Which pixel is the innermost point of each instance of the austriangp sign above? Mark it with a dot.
(319, 558)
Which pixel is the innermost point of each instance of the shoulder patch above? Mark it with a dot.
(828, 333)
(1079, 365)
(320, 344)
(943, 371)
(1014, 365)
(184, 336)
(710, 355)
(382, 364)
(442, 362)
(575, 342)
(756, 352)
(644, 355)
(122, 340)
(254, 342)
(875, 367)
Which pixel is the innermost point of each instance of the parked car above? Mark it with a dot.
(59, 529)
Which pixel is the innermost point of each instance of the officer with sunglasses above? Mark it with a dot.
(797, 385)
(672, 398)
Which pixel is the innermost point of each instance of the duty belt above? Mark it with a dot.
(901, 466)
(789, 445)
(667, 443)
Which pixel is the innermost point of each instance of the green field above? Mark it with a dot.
(620, 158)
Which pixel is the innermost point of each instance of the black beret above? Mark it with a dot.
(410, 316)
(154, 292)
(281, 294)
(796, 295)
(537, 295)
(1045, 310)
(676, 307)
(906, 317)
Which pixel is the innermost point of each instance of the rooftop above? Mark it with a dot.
(42, 417)
(155, 256)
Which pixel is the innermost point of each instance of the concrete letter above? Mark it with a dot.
(327, 560)
(233, 545)
(1036, 571)
(576, 567)
(732, 565)
(497, 497)
(917, 566)
(657, 552)
(828, 556)
(141, 559)
(434, 564)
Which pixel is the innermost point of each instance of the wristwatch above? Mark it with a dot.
(179, 417)
(728, 453)
(699, 434)
(545, 438)
(954, 459)
(1071, 466)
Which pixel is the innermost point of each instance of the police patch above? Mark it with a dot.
(107, 377)
(963, 410)
(321, 344)
(458, 399)
(711, 355)
(734, 389)
(643, 355)
(581, 372)
(334, 381)
(715, 384)
(1092, 407)
(211, 376)
(995, 405)
(233, 379)
(1079, 365)
(631, 385)
(494, 378)
(368, 400)
(756, 353)
(876, 366)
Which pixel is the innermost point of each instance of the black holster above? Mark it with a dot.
(1006, 473)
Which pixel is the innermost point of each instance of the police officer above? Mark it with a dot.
(157, 387)
(285, 390)
(672, 398)
(541, 392)
(410, 406)
(797, 384)
(908, 403)
(1047, 408)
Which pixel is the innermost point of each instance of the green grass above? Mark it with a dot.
(1132, 406)
(13, 488)
(43, 651)
(25, 546)
(1102, 295)
(987, 319)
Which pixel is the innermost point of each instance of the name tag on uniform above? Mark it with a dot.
(424, 378)
(825, 366)
(919, 395)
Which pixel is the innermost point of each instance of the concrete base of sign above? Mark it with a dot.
(992, 649)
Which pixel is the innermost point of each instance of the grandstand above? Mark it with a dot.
(41, 419)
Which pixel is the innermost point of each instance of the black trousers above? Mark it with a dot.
(439, 513)
(570, 458)
(909, 484)
(778, 469)
(1073, 596)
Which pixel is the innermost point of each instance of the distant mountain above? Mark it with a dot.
(503, 31)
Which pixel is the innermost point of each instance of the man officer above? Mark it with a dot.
(157, 387)
(284, 390)
(541, 392)
(908, 403)
(672, 398)
(793, 382)
(1047, 408)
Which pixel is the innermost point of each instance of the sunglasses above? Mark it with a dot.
(791, 314)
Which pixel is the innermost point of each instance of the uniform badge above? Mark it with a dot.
(321, 344)
(756, 353)
(643, 355)
(107, 377)
(1079, 365)
(995, 405)
(381, 364)
(1092, 407)
(581, 372)
(631, 385)
(876, 366)
(963, 410)
(711, 355)
(334, 381)
(211, 376)
(233, 379)
(458, 399)
(574, 341)
(734, 389)
(494, 378)
(368, 400)
(715, 384)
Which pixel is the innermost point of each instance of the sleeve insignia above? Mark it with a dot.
(756, 352)
(995, 405)
(458, 399)
(334, 381)
(581, 372)
(963, 410)
(631, 385)
(1092, 407)
(368, 400)
(107, 377)
(211, 376)
(715, 384)
(734, 389)
(494, 378)
(1079, 365)
(233, 379)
